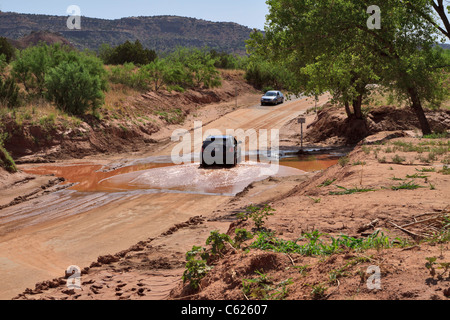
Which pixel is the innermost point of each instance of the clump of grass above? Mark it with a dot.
(445, 170)
(326, 183)
(6, 161)
(437, 135)
(432, 156)
(316, 200)
(432, 169)
(398, 160)
(411, 185)
(350, 191)
(417, 176)
(344, 161)
(263, 288)
(257, 214)
(382, 160)
(318, 291)
(315, 246)
(366, 150)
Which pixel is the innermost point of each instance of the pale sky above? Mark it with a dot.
(250, 13)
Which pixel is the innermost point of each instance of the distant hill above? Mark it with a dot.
(161, 33)
(36, 37)
(445, 46)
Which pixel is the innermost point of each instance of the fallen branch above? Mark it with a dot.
(406, 231)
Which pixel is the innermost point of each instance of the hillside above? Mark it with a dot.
(36, 37)
(161, 33)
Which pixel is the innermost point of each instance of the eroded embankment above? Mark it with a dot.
(133, 123)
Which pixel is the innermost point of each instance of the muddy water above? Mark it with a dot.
(311, 163)
(94, 186)
(185, 178)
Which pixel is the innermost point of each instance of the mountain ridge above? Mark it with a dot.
(161, 33)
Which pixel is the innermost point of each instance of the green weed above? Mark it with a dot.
(326, 183)
(350, 191)
(258, 214)
(411, 185)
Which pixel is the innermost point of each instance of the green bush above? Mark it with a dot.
(33, 63)
(7, 49)
(130, 75)
(180, 70)
(6, 161)
(192, 68)
(267, 76)
(127, 52)
(76, 86)
(74, 80)
(225, 60)
(9, 91)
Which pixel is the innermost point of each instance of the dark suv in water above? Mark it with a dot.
(220, 150)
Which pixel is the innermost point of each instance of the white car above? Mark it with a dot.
(273, 98)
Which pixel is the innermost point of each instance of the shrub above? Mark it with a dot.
(7, 49)
(127, 52)
(224, 60)
(6, 161)
(78, 85)
(130, 76)
(9, 92)
(257, 214)
(74, 81)
(267, 76)
(196, 267)
(33, 63)
(192, 68)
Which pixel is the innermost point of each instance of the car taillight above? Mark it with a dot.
(231, 149)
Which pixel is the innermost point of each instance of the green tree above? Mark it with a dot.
(127, 52)
(33, 63)
(78, 85)
(156, 72)
(193, 68)
(9, 91)
(7, 49)
(74, 80)
(330, 47)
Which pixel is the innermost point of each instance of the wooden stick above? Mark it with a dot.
(406, 231)
(419, 222)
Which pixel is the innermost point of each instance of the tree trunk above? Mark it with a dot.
(347, 109)
(417, 107)
(357, 107)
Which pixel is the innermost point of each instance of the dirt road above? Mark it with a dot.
(41, 239)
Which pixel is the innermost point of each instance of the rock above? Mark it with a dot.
(108, 259)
